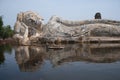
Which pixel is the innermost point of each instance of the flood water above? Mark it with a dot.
(71, 62)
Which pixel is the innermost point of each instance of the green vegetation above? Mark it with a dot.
(5, 31)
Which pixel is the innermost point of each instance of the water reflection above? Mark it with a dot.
(3, 49)
(31, 58)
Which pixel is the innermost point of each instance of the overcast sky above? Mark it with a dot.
(67, 9)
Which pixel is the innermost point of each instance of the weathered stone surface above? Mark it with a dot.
(76, 30)
(29, 29)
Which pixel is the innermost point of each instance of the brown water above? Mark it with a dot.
(71, 62)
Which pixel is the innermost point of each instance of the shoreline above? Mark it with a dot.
(6, 41)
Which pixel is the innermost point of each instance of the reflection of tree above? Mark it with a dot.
(29, 58)
(4, 48)
(2, 58)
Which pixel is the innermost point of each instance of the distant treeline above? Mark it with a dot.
(5, 31)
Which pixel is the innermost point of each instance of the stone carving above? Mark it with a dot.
(29, 29)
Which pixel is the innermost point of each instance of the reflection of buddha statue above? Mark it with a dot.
(90, 53)
(29, 58)
(104, 55)
(22, 54)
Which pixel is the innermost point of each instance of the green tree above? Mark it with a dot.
(5, 31)
(1, 27)
(1, 22)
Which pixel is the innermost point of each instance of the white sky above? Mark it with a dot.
(67, 9)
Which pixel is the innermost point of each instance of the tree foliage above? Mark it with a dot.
(1, 22)
(5, 31)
